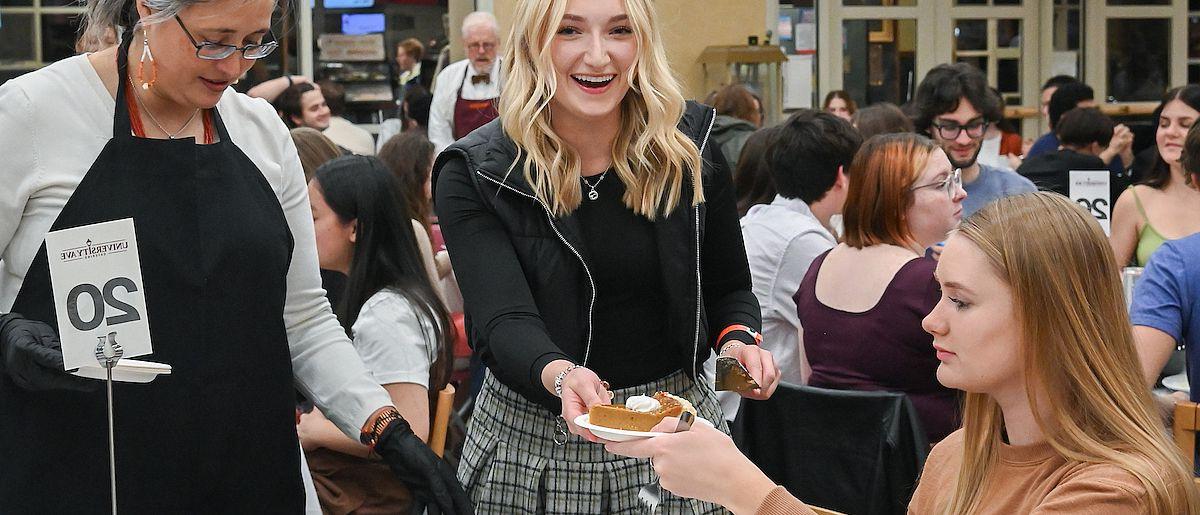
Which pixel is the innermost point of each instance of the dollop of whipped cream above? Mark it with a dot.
(642, 403)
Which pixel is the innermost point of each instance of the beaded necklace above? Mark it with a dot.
(139, 130)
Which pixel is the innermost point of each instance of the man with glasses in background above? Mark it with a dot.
(465, 92)
(954, 107)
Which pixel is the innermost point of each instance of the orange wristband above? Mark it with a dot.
(739, 327)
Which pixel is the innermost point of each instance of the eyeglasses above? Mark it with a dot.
(217, 51)
(486, 46)
(951, 130)
(949, 185)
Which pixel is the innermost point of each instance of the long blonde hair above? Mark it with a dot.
(1078, 353)
(650, 155)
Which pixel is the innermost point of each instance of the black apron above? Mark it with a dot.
(218, 434)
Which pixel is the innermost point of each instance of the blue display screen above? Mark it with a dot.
(348, 4)
(363, 23)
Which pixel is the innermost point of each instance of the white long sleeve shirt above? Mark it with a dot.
(445, 94)
(782, 239)
(53, 124)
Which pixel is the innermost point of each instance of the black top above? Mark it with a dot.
(630, 300)
(1052, 171)
(883, 348)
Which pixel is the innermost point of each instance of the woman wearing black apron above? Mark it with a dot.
(225, 239)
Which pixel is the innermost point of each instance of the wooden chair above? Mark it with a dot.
(1185, 427)
(437, 434)
(441, 420)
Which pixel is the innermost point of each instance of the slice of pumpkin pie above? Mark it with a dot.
(639, 413)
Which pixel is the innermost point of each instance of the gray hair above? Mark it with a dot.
(103, 15)
(480, 18)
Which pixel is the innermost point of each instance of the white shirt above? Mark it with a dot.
(782, 239)
(387, 129)
(409, 75)
(445, 93)
(989, 152)
(350, 137)
(54, 123)
(394, 341)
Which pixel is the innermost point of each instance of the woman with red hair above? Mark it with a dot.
(861, 303)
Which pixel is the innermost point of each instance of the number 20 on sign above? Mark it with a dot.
(1091, 190)
(97, 280)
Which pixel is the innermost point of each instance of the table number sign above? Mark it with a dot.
(1091, 190)
(97, 280)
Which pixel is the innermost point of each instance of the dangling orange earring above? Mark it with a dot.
(142, 63)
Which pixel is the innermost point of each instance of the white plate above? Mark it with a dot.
(621, 435)
(126, 371)
(1177, 382)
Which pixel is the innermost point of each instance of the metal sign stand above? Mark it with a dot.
(108, 352)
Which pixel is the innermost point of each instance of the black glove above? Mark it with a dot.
(426, 475)
(31, 355)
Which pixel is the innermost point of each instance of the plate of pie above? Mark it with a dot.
(634, 419)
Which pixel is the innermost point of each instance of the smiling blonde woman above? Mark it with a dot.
(594, 235)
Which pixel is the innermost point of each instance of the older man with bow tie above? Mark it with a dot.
(465, 92)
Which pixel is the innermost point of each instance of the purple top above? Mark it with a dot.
(883, 348)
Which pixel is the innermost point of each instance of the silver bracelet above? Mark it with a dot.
(729, 345)
(558, 379)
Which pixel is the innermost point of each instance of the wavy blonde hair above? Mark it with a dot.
(650, 155)
(1079, 354)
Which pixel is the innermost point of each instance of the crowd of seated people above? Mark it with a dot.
(858, 323)
(1056, 418)
(851, 224)
(850, 219)
(901, 249)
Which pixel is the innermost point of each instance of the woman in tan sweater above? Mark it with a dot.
(1057, 419)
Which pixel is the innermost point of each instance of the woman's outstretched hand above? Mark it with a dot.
(701, 463)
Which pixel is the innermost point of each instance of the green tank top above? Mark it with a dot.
(1149, 240)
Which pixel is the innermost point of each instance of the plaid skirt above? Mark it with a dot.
(510, 463)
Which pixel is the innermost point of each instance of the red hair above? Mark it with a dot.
(881, 179)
